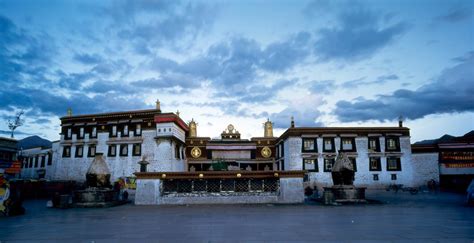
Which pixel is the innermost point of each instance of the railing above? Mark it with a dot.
(220, 182)
(172, 186)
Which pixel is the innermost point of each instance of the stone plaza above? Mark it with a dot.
(398, 217)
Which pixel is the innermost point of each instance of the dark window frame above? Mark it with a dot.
(50, 159)
(43, 161)
(121, 153)
(393, 177)
(139, 151)
(111, 131)
(67, 155)
(66, 133)
(353, 149)
(114, 148)
(375, 177)
(89, 150)
(354, 163)
(325, 161)
(76, 154)
(122, 130)
(135, 133)
(315, 145)
(316, 169)
(78, 135)
(333, 147)
(377, 144)
(398, 162)
(36, 161)
(91, 132)
(379, 164)
(397, 144)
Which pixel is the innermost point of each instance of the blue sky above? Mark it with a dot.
(327, 63)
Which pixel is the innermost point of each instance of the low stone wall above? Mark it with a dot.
(150, 192)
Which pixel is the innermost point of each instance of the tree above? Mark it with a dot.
(16, 122)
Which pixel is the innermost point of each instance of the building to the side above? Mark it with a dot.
(36, 163)
(451, 160)
(130, 141)
(8, 157)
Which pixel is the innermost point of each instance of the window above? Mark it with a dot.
(113, 131)
(328, 145)
(282, 150)
(124, 150)
(50, 158)
(112, 150)
(125, 131)
(69, 133)
(138, 130)
(67, 151)
(392, 144)
(328, 163)
(81, 133)
(36, 161)
(31, 162)
(374, 144)
(347, 144)
(282, 164)
(375, 177)
(137, 149)
(309, 145)
(310, 165)
(374, 164)
(43, 161)
(393, 164)
(394, 177)
(94, 132)
(354, 162)
(176, 151)
(92, 151)
(79, 151)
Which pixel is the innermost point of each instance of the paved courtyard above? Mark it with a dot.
(401, 217)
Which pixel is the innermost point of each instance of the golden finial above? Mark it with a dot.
(177, 113)
(69, 111)
(158, 105)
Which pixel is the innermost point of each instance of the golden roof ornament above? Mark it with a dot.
(69, 111)
(158, 105)
(192, 128)
(268, 131)
(292, 122)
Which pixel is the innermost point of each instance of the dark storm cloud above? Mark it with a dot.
(232, 66)
(360, 33)
(451, 92)
(360, 82)
(88, 59)
(455, 15)
(150, 24)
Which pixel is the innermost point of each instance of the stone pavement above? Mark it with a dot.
(402, 217)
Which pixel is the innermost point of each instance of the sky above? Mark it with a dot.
(325, 63)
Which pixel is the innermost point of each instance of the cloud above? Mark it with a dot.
(360, 82)
(450, 92)
(455, 15)
(322, 87)
(360, 34)
(147, 25)
(88, 59)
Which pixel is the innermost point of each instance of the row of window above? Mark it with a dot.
(113, 131)
(393, 164)
(37, 161)
(348, 144)
(112, 150)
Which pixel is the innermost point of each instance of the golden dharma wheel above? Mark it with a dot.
(266, 152)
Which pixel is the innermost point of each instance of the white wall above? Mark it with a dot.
(425, 167)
